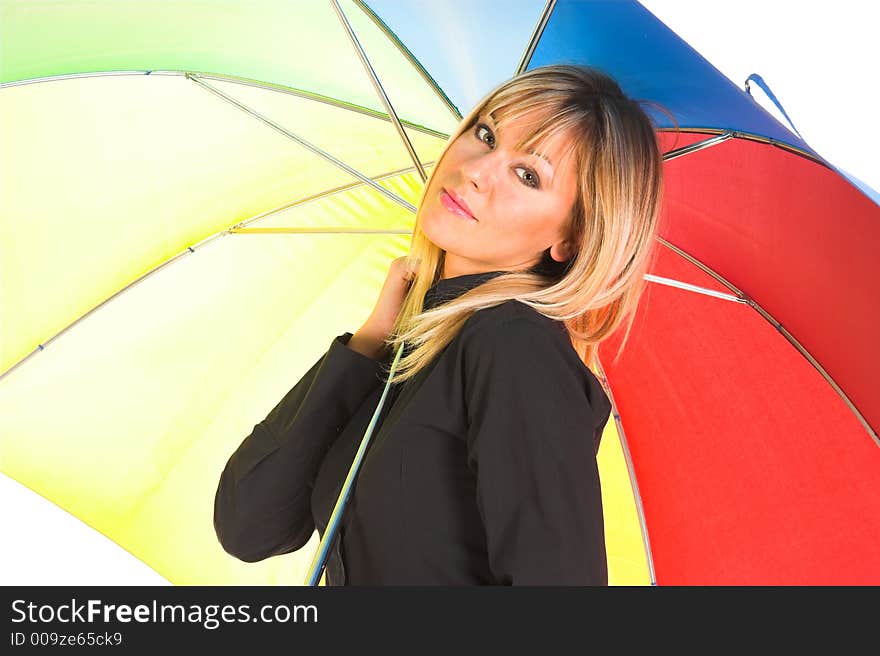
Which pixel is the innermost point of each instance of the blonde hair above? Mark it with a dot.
(613, 221)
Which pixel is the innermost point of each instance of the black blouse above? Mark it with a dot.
(481, 470)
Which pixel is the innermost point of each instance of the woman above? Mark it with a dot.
(532, 235)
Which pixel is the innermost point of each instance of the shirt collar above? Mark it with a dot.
(446, 289)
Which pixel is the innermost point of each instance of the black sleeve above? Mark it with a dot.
(531, 427)
(262, 504)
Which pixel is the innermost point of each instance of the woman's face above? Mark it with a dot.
(516, 204)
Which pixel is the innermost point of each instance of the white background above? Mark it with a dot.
(820, 60)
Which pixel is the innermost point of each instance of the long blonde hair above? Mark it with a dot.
(613, 221)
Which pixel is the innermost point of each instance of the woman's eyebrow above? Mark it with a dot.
(542, 156)
(494, 127)
(535, 153)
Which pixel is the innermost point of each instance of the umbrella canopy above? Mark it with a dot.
(194, 204)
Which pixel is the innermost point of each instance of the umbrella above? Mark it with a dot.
(748, 407)
(223, 196)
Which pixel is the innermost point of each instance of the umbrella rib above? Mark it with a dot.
(324, 231)
(377, 85)
(634, 484)
(327, 100)
(410, 57)
(309, 146)
(324, 194)
(698, 145)
(724, 135)
(536, 36)
(202, 243)
(292, 91)
(694, 288)
(741, 295)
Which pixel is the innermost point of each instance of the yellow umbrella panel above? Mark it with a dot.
(188, 216)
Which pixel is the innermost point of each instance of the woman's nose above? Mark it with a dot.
(479, 171)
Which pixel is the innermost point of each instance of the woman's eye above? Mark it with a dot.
(479, 130)
(530, 179)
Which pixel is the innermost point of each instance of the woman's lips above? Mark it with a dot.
(450, 204)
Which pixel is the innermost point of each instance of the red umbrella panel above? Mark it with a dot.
(747, 403)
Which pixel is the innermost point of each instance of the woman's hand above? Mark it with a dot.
(369, 339)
